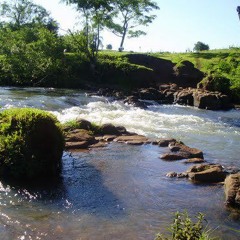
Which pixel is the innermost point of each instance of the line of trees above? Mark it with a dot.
(32, 51)
(122, 17)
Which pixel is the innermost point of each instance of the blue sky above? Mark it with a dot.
(178, 26)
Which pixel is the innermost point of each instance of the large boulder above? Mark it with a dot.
(184, 97)
(211, 100)
(232, 189)
(79, 139)
(180, 151)
(186, 74)
(150, 94)
(134, 101)
(108, 128)
(207, 173)
(31, 144)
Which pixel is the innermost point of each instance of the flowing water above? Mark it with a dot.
(121, 191)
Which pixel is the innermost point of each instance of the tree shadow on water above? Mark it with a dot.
(85, 191)
(80, 190)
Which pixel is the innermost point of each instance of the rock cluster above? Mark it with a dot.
(172, 94)
(84, 138)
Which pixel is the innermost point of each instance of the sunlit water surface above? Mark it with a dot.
(121, 191)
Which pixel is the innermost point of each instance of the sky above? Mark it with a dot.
(178, 26)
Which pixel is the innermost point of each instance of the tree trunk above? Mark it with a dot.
(125, 28)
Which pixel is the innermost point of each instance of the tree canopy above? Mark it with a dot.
(94, 13)
(200, 46)
(130, 14)
(18, 13)
(122, 17)
(30, 48)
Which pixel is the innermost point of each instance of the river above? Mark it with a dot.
(121, 191)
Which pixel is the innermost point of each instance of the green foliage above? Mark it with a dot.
(109, 47)
(19, 13)
(94, 14)
(127, 15)
(31, 144)
(199, 46)
(29, 55)
(115, 69)
(220, 62)
(183, 228)
(215, 82)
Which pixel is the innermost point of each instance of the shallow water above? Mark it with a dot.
(121, 192)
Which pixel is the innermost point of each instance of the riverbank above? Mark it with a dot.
(209, 70)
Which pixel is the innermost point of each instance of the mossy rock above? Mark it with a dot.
(215, 82)
(31, 144)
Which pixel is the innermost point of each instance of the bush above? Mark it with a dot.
(31, 144)
(183, 228)
(30, 56)
(215, 82)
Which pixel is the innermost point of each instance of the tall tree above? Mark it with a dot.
(94, 13)
(200, 46)
(130, 14)
(24, 12)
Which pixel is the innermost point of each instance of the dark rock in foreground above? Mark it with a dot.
(232, 189)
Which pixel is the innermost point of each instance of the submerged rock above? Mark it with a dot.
(194, 160)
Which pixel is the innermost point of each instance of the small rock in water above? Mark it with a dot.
(182, 175)
(194, 160)
(166, 141)
(171, 174)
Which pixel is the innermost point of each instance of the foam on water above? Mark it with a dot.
(216, 133)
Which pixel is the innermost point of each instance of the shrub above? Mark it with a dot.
(215, 82)
(183, 228)
(31, 144)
